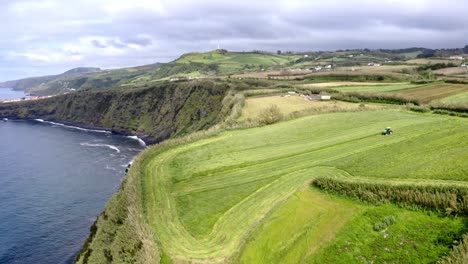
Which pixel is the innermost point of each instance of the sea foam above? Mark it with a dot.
(87, 144)
(142, 143)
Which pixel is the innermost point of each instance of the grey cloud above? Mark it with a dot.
(139, 35)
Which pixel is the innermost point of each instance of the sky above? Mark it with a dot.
(40, 37)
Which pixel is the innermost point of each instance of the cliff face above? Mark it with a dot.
(154, 113)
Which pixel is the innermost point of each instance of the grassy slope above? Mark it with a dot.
(287, 105)
(204, 199)
(221, 63)
(291, 233)
(415, 237)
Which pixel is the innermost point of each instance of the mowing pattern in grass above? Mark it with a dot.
(456, 99)
(376, 88)
(427, 93)
(300, 226)
(206, 198)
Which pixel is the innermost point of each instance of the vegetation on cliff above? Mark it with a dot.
(154, 113)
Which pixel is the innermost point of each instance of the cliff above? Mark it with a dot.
(154, 113)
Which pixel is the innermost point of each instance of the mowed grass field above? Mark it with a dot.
(295, 103)
(240, 195)
(376, 88)
(428, 93)
(456, 99)
(423, 93)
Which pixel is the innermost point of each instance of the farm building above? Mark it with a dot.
(456, 57)
(373, 64)
(315, 97)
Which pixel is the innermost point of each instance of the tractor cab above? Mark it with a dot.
(387, 131)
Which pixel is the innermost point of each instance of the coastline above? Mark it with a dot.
(143, 139)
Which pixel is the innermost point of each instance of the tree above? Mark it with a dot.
(465, 49)
(427, 75)
(270, 115)
(278, 52)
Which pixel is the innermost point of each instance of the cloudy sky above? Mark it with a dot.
(50, 36)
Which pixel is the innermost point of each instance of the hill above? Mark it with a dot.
(243, 195)
(400, 65)
(29, 83)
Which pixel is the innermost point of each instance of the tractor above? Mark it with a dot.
(387, 131)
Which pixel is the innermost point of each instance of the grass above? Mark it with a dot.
(415, 237)
(452, 71)
(430, 61)
(428, 93)
(376, 88)
(291, 233)
(206, 200)
(461, 98)
(288, 105)
(235, 62)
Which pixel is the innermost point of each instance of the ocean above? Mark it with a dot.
(54, 181)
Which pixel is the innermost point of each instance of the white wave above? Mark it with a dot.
(39, 120)
(100, 145)
(78, 128)
(5, 119)
(142, 143)
(110, 168)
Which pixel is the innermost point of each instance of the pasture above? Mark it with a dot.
(428, 93)
(295, 103)
(461, 98)
(228, 197)
(376, 88)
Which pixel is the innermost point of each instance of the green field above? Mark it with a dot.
(295, 103)
(376, 88)
(456, 99)
(428, 93)
(224, 198)
(235, 62)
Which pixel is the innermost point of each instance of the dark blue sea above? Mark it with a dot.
(54, 182)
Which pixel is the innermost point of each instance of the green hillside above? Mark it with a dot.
(237, 195)
(222, 62)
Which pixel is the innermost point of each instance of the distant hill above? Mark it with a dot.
(223, 62)
(82, 78)
(81, 70)
(29, 83)
(218, 62)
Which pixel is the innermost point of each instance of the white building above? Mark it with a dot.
(315, 97)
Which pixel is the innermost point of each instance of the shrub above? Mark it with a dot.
(420, 109)
(459, 253)
(389, 220)
(270, 115)
(452, 199)
(379, 226)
